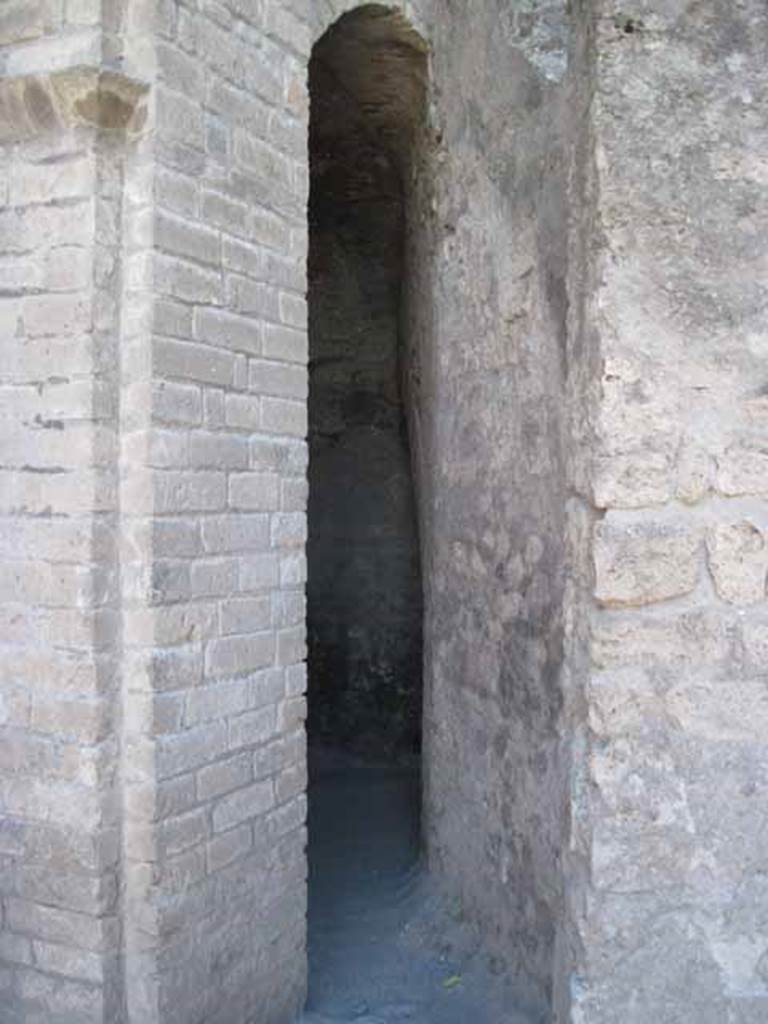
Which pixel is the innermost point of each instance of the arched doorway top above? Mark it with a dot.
(403, 19)
(372, 53)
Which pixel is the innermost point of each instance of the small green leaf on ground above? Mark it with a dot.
(453, 981)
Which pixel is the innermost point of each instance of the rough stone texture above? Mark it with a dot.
(585, 322)
(669, 777)
(67, 99)
(485, 310)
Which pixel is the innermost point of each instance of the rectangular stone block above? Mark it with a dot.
(260, 159)
(267, 687)
(177, 538)
(213, 577)
(293, 310)
(638, 563)
(244, 258)
(65, 314)
(213, 407)
(241, 108)
(686, 640)
(283, 753)
(190, 749)
(50, 182)
(245, 804)
(243, 411)
(281, 416)
(256, 492)
(187, 238)
(225, 330)
(286, 456)
(252, 298)
(259, 572)
(217, 450)
(294, 494)
(278, 379)
(289, 530)
(179, 491)
(217, 701)
(228, 847)
(236, 532)
(73, 963)
(225, 212)
(180, 71)
(174, 796)
(60, 996)
(236, 655)
(179, 118)
(77, 931)
(176, 192)
(176, 403)
(252, 728)
(224, 776)
(291, 645)
(743, 470)
(245, 614)
(737, 553)
(289, 816)
(181, 279)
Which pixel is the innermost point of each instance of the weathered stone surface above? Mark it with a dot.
(21, 20)
(685, 640)
(738, 560)
(678, 714)
(71, 98)
(641, 563)
(743, 470)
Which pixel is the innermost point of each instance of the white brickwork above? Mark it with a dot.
(218, 709)
(60, 824)
(153, 493)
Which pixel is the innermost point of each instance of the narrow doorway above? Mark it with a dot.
(364, 612)
(388, 941)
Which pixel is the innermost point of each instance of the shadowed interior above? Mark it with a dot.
(364, 588)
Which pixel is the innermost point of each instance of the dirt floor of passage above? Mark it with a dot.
(385, 946)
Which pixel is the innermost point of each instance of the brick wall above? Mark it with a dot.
(59, 829)
(221, 857)
(154, 491)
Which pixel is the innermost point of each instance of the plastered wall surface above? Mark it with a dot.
(585, 314)
(487, 305)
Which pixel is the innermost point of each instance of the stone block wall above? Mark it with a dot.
(672, 787)
(590, 442)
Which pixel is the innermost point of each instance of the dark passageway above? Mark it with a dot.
(364, 617)
(364, 590)
(383, 947)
